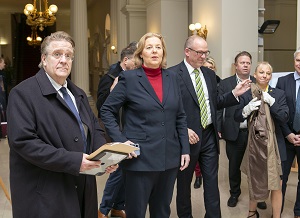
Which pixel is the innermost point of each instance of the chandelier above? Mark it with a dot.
(34, 40)
(37, 17)
(197, 27)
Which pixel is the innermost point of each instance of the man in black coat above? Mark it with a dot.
(51, 131)
(237, 135)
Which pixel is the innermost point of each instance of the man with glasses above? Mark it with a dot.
(51, 131)
(199, 95)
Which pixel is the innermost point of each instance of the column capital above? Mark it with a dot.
(134, 10)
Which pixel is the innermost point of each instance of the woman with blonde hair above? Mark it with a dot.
(265, 109)
(152, 116)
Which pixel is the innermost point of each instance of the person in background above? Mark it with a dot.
(51, 131)
(113, 198)
(198, 86)
(236, 137)
(290, 84)
(211, 64)
(3, 96)
(154, 117)
(265, 147)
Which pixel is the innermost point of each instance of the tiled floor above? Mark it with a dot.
(197, 195)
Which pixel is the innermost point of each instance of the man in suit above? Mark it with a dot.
(113, 198)
(236, 137)
(202, 133)
(290, 84)
(51, 131)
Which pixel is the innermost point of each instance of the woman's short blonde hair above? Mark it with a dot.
(141, 46)
(211, 61)
(264, 63)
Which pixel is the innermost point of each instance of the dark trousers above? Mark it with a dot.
(114, 193)
(291, 152)
(153, 188)
(235, 152)
(209, 164)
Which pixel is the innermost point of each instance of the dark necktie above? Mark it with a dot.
(296, 123)
(71, 105)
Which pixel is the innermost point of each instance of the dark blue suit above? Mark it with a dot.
(160, 129)
(235, 137)
(288, 84)
(206, 151)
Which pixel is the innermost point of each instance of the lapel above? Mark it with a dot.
(143, 80)
(292, 83)
(166, 85)
(186, 78)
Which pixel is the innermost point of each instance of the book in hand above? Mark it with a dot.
(110, 154)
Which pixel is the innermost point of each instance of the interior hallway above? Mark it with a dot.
(240, 211)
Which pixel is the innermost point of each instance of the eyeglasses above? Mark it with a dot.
(58, 56)
(206, 53)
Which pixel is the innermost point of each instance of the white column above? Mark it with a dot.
(80, 72)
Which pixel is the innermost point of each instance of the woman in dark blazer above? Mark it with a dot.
(153, 117)
(266, 147)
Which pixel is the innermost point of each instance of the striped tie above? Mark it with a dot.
(201, 99)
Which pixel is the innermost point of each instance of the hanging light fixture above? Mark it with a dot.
(34, 40)
(37, 17)
(198, 29)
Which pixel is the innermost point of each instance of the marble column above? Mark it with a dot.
(80, 69)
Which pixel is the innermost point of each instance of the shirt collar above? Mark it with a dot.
(296, 76)
(55, 84)
(189, 67)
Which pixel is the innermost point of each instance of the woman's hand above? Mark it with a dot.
(132, 154)
(185, 160)
(111, 169)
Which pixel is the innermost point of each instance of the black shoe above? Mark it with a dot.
(262, 205)
(232, 201)
(198, 182)
(255, 213)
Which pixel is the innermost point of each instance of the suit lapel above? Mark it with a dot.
(166, 85)
(293, 88)
(146, 84)
(186, 78)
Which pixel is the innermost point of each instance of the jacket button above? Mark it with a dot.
(162, 123)
(76, 139)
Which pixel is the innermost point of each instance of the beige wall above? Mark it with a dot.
(280, 46)
(232, 27)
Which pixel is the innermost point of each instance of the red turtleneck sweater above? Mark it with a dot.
(155, 79)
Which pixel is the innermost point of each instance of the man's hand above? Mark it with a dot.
(193, 137)
(88, 164)
(185, 160)
(294, 139)
(111, 169)
(242, 87)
